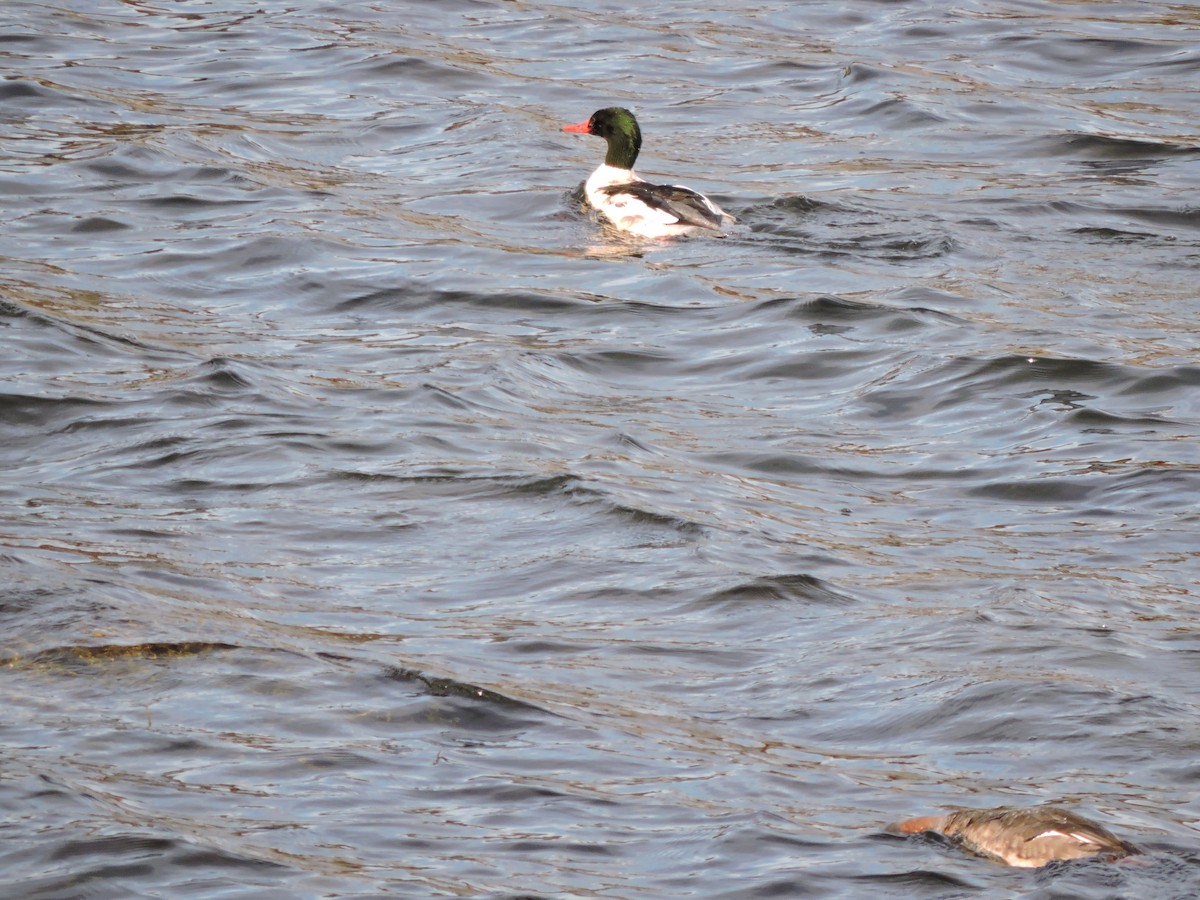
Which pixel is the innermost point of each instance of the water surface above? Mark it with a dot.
(376, 523)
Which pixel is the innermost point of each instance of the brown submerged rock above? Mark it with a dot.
(1023, 837)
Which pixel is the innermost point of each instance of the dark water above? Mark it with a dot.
(376, 524)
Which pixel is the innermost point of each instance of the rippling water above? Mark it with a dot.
(374, 522)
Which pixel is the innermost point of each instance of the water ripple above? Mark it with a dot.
(377, 522)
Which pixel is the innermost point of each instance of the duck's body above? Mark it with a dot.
(1024, 837)
(633, 204)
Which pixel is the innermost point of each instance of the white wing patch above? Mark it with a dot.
(1070, 835)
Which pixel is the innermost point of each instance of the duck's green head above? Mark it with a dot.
(617, 126)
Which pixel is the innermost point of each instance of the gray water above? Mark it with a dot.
(375, 523)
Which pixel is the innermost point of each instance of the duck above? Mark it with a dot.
(631, 203)
(1024, 837)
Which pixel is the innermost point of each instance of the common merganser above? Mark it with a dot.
(1023, 837)
(631, 203)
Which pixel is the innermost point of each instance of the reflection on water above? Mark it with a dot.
(375, 522)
